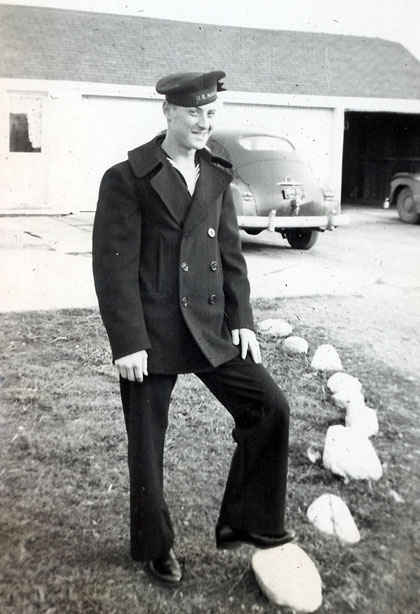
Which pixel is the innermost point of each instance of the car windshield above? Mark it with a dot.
(263, 142)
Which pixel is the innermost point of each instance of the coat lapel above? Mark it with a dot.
(172, 192)
(149, 159)
(211, 183)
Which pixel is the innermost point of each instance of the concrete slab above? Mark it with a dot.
(55, 233)
(46, 262)
(36, 280)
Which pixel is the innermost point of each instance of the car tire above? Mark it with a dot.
(253, 231)
(406, 207)
(302, 238)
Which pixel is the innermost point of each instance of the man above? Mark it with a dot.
(174, 297)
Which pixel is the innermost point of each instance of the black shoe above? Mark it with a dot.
(166, 569)
(228, 538)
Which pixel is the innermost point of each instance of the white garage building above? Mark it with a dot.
(77, 92)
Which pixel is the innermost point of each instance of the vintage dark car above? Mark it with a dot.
(405, 194)
(274, 189)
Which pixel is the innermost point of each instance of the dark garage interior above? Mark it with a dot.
(377, 145)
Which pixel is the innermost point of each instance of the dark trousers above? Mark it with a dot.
(255, 493)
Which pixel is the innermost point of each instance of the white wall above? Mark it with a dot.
(310, 130)
(88, 127)
(110, 127)
(65, 178)
(23, 175)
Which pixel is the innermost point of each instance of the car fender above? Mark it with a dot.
(401, 181)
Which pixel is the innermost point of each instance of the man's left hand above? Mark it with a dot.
(248, 341)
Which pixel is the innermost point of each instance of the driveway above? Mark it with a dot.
(46, 260)
(374, 249)
(363, 279)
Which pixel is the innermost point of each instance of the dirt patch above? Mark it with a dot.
(385, 321)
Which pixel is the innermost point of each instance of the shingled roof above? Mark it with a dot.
(43, 43)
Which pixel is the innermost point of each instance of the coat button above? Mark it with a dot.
(184, 266)
(184, 301)
(213, 265)
(211, 232)
(212, 299)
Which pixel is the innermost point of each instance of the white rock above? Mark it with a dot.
(331, 515)
(341, 380)
(349, 453)
(276, 326)
(288, 577)
(295, 345)
(313, 454)
(348, 396)
(362, 418)
(397, 497)
(326, 358)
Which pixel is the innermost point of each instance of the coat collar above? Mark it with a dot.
(214, 178)
(144, 159)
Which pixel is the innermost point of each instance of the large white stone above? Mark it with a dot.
(396, 496)
(349, 453)
(288, 577)
(340, 381)
(295, 345)
(329, 514)
(276, 326)
(362, 418)
(326, 358)
(313, 454)
(348, 396)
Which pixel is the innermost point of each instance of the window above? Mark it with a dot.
(25, 123)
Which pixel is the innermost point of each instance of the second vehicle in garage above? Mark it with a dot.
(405, 194)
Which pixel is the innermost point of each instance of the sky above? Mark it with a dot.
(396, 20)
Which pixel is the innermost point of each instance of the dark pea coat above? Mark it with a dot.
(169, 272)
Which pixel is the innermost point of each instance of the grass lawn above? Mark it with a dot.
(64, 492)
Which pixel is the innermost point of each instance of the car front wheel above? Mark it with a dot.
(301, 238)
(406, 207)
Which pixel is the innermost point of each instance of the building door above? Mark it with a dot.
(377, 145)
(23, 171)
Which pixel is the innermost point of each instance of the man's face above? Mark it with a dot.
(190, 126)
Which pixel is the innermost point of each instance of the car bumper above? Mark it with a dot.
(273, 222)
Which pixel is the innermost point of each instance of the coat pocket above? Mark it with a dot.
(159, 266)
(158, 263)
(166, 266)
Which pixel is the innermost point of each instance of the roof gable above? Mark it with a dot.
(42, 43)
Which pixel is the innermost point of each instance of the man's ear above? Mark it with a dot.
(166, 107)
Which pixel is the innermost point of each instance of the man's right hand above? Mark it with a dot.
(133, 367)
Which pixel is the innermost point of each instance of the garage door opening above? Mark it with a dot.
(377, 145)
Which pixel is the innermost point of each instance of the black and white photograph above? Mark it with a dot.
(209, 307)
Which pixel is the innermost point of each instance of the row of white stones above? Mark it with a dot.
(286, 574)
